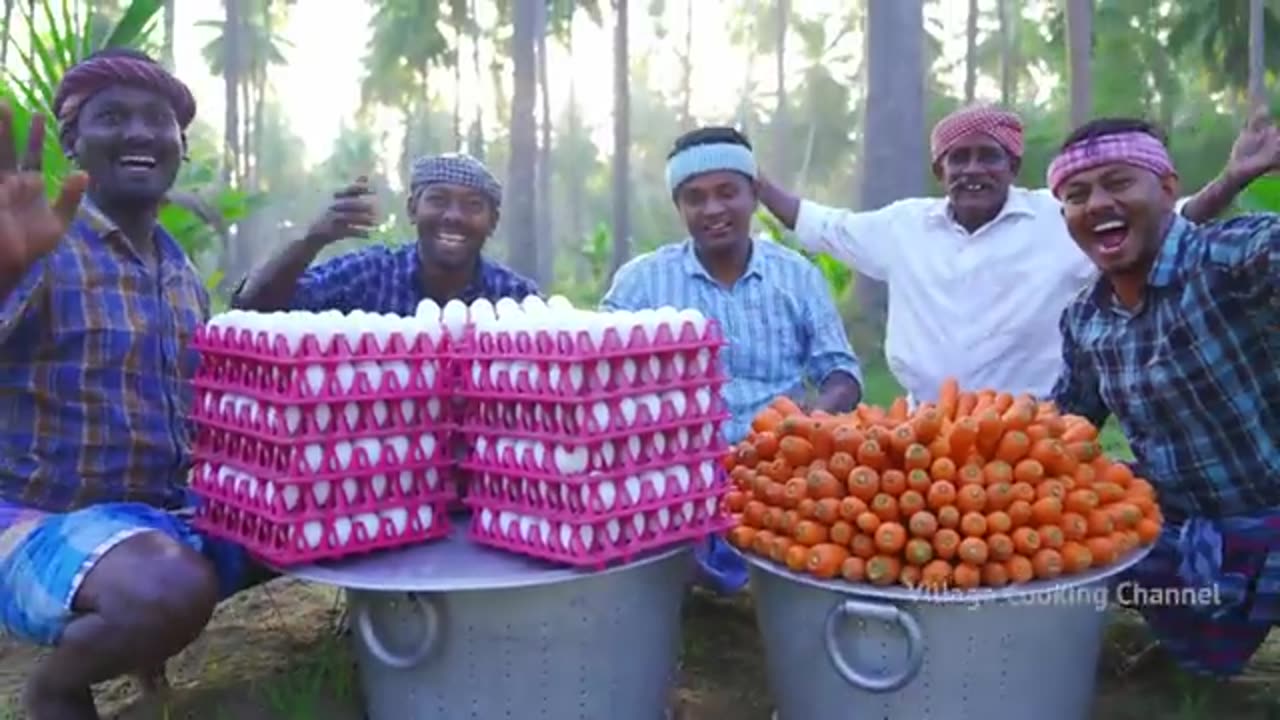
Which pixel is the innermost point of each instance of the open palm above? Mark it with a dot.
(1256, 150)
(29, 226)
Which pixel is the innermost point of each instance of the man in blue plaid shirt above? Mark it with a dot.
(454, 201)
(785, 335)
(1180, 340)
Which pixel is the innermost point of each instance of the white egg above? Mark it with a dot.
(632, 487)
(370, 523)
(399, 519)
(533, 305)
(559, 302)
(312, 533)
(508, 309)
(454, 317)
(482, 311)
(428, 311)
(342, 530)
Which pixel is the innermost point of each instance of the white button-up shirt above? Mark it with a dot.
(982, 307)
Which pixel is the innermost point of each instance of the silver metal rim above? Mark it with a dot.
(885, 613)
(1043, 588)
(421, 649)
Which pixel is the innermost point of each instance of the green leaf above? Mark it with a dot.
(136, 25)
(1262, 195)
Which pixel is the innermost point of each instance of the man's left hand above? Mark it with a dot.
(1256, 150)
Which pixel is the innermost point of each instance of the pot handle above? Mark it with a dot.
(884, 613)
(424, 645)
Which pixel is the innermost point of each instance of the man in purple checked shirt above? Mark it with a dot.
(454, 202)
(98, 305)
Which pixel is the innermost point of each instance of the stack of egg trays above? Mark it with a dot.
(590, 453)
(301, 457)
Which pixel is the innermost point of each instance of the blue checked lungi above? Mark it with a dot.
(1235, 562)
(721, 568)
(44, 557)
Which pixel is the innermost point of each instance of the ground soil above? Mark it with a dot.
(277, 652)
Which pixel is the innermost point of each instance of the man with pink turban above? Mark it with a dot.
(98, 305)
(1179, 339)
(978, 279)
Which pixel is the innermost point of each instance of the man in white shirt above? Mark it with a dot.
(978, 279)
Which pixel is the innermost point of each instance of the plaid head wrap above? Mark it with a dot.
(110, 68)
(1002, 126)
(455, 169)
(1139, 149)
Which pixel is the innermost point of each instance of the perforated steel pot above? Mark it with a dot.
(836, 650)
(459, 632)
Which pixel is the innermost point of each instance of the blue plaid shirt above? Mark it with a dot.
(95, 356)
(779, 319)
(388, 279)
(1193, 375)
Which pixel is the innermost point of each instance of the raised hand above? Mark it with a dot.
(29, 226)
(351, 214)
(1256, 150)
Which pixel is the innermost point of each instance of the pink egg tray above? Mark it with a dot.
(632, 413)
(580, 346)
(318, 383)
(298, 540)
(295, 424)
(545, 364)
(493, 380)
(262, 346)
(307, 499)
(701, 429)
(264, 368)
(595, 544)
(600, 496)
(498, 450)
(328, 459)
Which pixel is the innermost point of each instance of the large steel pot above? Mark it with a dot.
(839, 650)
(455, 631)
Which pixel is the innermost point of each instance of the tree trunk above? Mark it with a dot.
(573, 181)
(166, 50)
(231, 87)
(1008, 72)
(686, 70)
(780, 130)
(894, 157)
(1079, 49)
(971, 54)
(520, 217)
(621, 138)
(546, 244)
(476, 139)
(4, 41)
(1257, 70)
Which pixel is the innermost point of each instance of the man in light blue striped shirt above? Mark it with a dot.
(784, 334)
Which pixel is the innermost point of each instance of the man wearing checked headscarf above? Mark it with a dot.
(977, 279)
(454, 201)
(98, 303)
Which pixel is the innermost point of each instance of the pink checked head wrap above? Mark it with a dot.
(116, 66)
(1002, 126)
(1136, 148)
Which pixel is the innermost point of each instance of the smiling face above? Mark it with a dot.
(129, 142)
(976, 172)
(717, 208)
(1118, 214)
(453, 221)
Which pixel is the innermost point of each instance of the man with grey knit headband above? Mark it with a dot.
(785, 336)
(454, 202)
